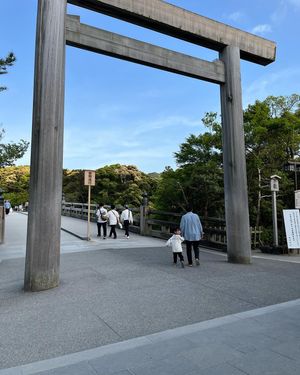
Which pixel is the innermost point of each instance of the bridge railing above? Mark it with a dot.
(154, 223)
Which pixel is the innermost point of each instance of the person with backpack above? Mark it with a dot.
(101, 220)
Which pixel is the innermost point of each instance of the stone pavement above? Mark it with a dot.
(261, 341)
(130, 311)
(16, 229)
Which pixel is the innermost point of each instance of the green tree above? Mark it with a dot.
(10, 152)
(199, 178)
(170, 194)
(272, 138)
(9, 60)
(117, 184)
(120, 184)
(15, 182)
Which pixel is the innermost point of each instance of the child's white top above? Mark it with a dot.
(175, 241)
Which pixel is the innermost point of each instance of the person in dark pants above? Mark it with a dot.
(175, 241)
(113, 219)
(7, 207)
(191, 229)
(126, 219)
(101, 220)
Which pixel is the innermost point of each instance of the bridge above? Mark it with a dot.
(74, 235)
(121, 304)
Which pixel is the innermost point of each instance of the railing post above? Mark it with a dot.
(144, 215)
(2, 218)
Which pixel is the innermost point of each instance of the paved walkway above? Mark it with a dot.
(128, 310)
(16, 229)
(256, 342)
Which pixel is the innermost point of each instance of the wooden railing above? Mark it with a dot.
(160, 224)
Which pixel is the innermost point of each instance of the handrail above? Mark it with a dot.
(145, 224)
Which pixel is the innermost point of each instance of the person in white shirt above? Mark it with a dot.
(113, 220)
(101, 220)
(175, 241)
(126, 219)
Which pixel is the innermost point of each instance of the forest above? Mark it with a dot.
(272, 143)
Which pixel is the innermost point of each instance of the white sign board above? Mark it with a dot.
(274, 184)
(292, 228)
(89, 178)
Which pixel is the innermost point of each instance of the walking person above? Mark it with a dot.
(126, 219)
(7, 207)
(191, 229)
(101, 220)
(113, 220)
(175, 241)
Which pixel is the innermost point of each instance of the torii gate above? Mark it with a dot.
(54, 30)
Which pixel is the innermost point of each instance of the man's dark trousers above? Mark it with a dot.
(189, 246)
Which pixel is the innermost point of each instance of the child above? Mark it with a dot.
(175, 241)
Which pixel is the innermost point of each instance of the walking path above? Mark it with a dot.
(128, 310)
(255, 342)
(16, 229)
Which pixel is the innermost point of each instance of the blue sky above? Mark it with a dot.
(120, 112)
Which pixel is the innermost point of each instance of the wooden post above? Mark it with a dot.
(89, 212)
(234, 160)
(44, 218)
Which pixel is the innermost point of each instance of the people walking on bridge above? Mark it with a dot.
(126, 219)
(7, 207)
(101, 220)
(113, 220)
(191, 229)
(175, 242)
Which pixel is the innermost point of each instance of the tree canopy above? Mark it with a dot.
(9, 60)
(10, 152)
(272, 140)
(117, 184)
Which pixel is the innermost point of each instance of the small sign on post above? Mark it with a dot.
(89, 180)
(274, 185)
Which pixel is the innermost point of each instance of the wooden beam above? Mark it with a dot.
(115, 45)
(180, 23)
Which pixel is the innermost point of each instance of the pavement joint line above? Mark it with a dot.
(115, 348)
(74, 234)
(208, 251)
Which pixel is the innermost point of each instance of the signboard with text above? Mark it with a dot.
(89, 178)
(292, 228)
(274, 184)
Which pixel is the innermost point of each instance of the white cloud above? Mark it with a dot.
(167, 122)
(281, 11)
(145, 144)
(235, 16)
(270, 84)
(295, 3)
(261, 29)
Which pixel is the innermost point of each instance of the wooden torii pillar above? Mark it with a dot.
(43, 238)
(44, 215)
